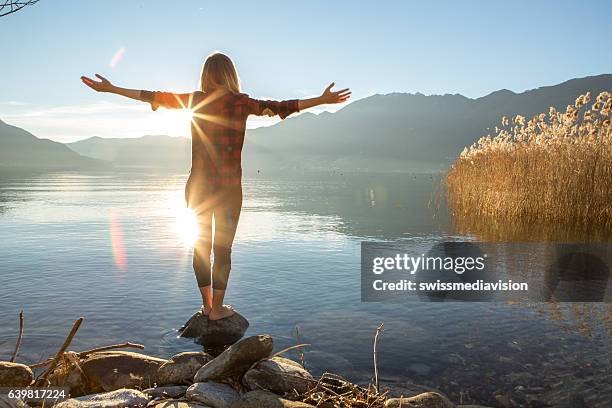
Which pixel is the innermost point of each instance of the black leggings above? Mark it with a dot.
(224, 205)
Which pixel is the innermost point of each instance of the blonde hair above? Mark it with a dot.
(219, 71)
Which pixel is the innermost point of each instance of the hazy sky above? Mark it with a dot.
(282, 50)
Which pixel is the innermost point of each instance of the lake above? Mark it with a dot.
(108, 246)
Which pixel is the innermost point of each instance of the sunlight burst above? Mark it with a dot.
(187, 226)
(186, 223)
(173, 122)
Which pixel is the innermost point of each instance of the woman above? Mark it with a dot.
(214, 187)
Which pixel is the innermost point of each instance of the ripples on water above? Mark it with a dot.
(106, 246)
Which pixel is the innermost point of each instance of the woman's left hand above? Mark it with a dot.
(330, 96)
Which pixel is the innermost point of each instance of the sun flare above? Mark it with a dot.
(187, 226)
(186, 223)
(173, 122)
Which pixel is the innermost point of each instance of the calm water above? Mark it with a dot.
(106, 246)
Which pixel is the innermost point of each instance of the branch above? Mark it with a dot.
(14, 6)
(41, 381)
(379, 329)
(18, 338)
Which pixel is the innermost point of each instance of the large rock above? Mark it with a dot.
(114, 399)
(216, 395)
(6, 402)
(425, 400)
(214, 333)
(179, 404)
(279, 375)
(182, 367)
(236, 359)
(261, 399)
(14, 374)
(108, 371)
(174, 391)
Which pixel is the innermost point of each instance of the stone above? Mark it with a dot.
(267, 399)
(114, 399)
(425, 400)
(108, 371)
(182, 367)
(6, 402)
(236, 359)
(179, 404)
(15, 375)
(214, 394)
(214, 333)
(279, 375)
(174, 391)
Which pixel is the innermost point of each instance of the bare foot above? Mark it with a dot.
(205, 310)
(221, 313)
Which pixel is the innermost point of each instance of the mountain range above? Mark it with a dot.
(393, 132)
(21, 149)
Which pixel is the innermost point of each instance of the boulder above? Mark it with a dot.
(108, 371)
(6, 402)
(425, 400)
(179, 404)
(216, 395)
(181, 368)
(236, 359)
(279, 375)
(15, 374)
(114, 399)
(214, 333)
(267, 399)
(175, 391)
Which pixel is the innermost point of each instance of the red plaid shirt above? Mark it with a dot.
(217, 129)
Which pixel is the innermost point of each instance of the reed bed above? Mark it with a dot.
(554, 169)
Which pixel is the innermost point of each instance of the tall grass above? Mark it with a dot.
(554, 169)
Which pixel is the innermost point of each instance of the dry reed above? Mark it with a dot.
(555, 169)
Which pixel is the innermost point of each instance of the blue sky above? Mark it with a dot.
(282, 50)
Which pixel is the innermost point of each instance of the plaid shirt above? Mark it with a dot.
(217, 130)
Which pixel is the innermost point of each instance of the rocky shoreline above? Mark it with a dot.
(244, 375)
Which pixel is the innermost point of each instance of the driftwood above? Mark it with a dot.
(85, 353)
(21, 324)
(41, 381)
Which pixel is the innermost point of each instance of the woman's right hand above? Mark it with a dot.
(103, 85)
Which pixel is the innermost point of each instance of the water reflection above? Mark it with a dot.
(296, 264)
(495, 230)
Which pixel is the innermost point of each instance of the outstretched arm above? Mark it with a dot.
(156, 99)
(286, 108)
(327, 97)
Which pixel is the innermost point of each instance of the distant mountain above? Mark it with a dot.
(394, 132)
(398, 131)
(21, 149)
(146, 151)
